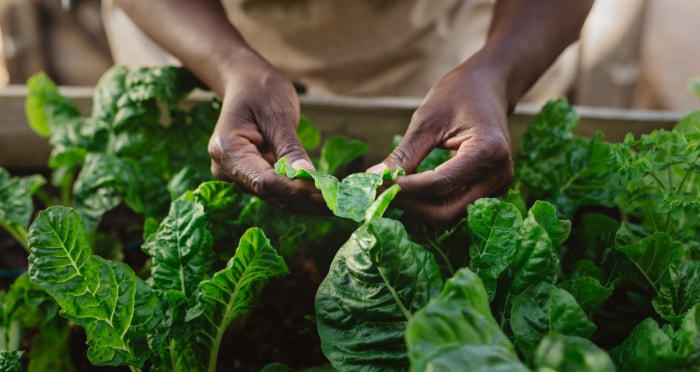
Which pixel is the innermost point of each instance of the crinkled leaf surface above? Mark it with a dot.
(116, 308)
(680, 292)
(589, 293)
(456, 331)
(655, 256)
(349, 198)
(494, 228)
(181, 249)
(544, 310)
(536, 259)
(377, 279)
(16, 204)
(10, 361)
(107, 180)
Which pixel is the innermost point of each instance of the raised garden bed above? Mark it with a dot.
(590, 262)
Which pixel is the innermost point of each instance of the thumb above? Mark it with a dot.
(285, 143)
(408, 154)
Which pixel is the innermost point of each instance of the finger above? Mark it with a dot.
(408, 154)
(281, 137)
(446, 210)
(471, 164)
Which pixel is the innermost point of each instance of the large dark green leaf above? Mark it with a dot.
(376, 281)
(494, 228)
(545, 310)
(116, 308)
(456, 331)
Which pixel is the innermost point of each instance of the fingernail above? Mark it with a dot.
(377, 169)
(302, 164)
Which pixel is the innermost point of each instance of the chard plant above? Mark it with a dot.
(590, 262)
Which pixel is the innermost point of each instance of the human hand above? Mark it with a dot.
(257, 126)
(465, 112)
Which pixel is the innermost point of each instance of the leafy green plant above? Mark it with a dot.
(178, 316)
(589, 263)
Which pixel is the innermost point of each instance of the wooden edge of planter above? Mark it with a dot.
(374, 120)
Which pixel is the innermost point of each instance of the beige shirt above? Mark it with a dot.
(359, 47)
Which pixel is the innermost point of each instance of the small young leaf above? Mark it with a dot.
(349, 198)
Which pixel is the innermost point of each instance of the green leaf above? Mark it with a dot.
(655, 256)
(680, 292)
(106, 181)
(650, 348)
(571, 353)
(110, 87)
(689, 124)
(116, 308)
(10, 361)
(494, 228)
(456, 331)
(16, 204)
(232, 291)
(349, 198)
(535, 259)
(309, 135)
(376, 281)
(589, 293)
(338, 152)
(45, 106)
(694, 85)
(544, 310)
(181, 249)
(379, 206)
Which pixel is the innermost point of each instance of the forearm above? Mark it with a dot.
(198, 33)
(526, 37)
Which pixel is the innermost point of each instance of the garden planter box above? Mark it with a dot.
(373, 120)
(589, 262)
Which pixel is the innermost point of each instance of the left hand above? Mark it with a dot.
(466, 112)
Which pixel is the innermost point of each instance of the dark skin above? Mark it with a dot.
(465, 111)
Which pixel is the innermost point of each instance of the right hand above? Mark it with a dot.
(256, 127)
